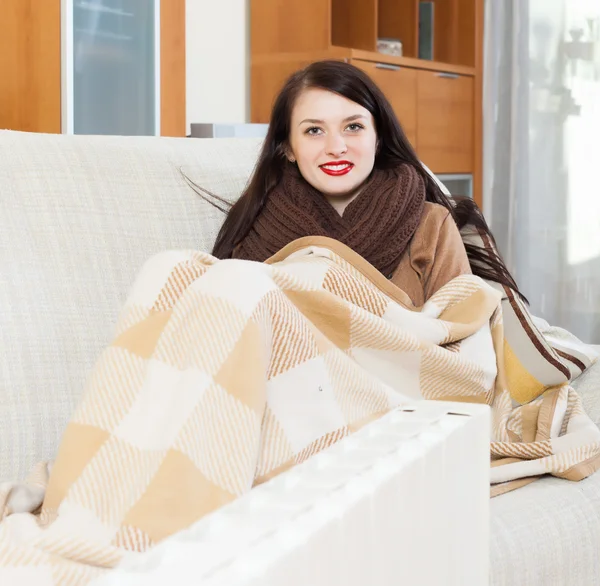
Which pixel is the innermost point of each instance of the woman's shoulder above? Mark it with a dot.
(431, 225)
(434, 213)
(433, 218)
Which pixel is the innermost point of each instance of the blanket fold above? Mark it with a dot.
(223, 374)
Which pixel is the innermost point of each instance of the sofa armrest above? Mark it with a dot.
(405, 500)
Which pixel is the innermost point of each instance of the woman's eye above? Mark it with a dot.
(314, 131)
(355, 127)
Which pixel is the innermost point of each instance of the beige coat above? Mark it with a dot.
(435, 255)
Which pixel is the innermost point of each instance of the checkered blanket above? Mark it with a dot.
(223, 374)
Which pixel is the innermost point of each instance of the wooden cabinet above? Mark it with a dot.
(37, 56)
(445, 121)
(435, 109)
(267, 80)
(438, 103)
(30, 65)
(399, 84)
(285, 26)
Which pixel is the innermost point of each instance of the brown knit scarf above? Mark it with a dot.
(378, 224)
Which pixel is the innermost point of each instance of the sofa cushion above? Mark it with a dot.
(548, 532)
(80, 215)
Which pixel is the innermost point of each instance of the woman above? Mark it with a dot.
(221, 377)
(335, 162)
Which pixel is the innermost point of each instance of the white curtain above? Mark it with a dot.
(542, 153)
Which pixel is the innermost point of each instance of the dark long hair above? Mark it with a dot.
(394, 149)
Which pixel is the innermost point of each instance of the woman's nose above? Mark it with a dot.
(336, 145)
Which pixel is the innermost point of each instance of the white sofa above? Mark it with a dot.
(78, 218)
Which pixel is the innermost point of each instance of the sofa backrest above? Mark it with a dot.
(79, 215)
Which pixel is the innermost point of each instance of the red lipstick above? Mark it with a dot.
(337, 168)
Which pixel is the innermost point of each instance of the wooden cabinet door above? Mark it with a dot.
(399, 84)
(172, 68)
(30, 65)
(445, 121)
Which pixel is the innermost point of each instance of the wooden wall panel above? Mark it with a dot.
(399, 19)
(445, 31)
(455, 31)
(172, 68)
(354, 24)
(267, 79)
(467, 38)
(30, 65)
(284, 26)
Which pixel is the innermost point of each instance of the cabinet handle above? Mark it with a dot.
(447, 75)
(387, 66)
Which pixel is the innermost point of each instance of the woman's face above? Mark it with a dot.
(333, 140)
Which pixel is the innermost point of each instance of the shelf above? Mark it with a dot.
(372, 56)
(354, 23)
(411, 62)
(399, 19)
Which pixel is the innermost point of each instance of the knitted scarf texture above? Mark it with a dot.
(378, 224)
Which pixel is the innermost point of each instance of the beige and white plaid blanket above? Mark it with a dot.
(225, 373)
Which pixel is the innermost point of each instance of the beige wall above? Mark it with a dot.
(217, 49)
